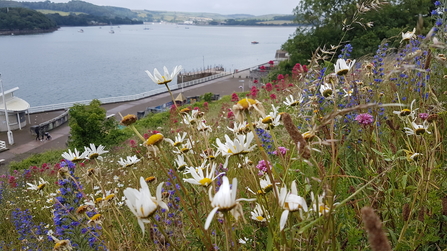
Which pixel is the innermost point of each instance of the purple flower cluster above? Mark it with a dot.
(81, 235)
(281, 151)
(28, 231)
(364, 119)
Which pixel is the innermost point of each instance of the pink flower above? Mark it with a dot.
(281, 151)
(234, 97)
(273, 96)
(364, 119)
(280, 76)
(263, 167)
(268, 87)
(271, 62)
(423, 115)
(255, 81)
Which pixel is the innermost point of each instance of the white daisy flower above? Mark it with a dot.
(199, 178)
(166, 78)
(141, 202)
(342, 67)
(292, 101)
(178, 139)
(94, 152)
(38, 186)
(74, 156)
(180, 161)
(290, 202)
(258, 213)
(240, 145)
(273, 119)
(408, 35)
(417, 129)
(326, 90)
(129, 161)
(225, 200)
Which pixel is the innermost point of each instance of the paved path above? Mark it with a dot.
(26, 145)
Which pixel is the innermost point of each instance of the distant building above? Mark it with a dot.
(281, 55)
(17, 110)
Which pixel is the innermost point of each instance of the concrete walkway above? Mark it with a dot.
(25, 143)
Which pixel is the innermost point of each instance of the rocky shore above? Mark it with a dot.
(25, 32)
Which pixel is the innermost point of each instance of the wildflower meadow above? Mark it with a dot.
(348, 155)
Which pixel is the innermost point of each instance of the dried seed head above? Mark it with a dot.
(376, 236)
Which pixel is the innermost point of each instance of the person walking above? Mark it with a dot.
(37, 131)
(42, 132)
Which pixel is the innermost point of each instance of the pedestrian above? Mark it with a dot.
(42, 133)
(37, 131)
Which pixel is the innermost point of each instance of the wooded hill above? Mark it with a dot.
(21, 19)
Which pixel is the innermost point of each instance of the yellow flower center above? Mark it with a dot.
(150, 179)
(109, 197)
(98, 200)
(41, 186)
(61, 244)
(205, 182)
(342, 72)
(405, 112)
(259, 218)
(267, 120)
(82, 209)
(268, 188)
(327, 93)
(93, 156)
(95, 217)
(154, 139)
(419, 131)
(323, 208)
(246, 103)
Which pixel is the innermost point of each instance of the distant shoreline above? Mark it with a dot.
(25, 32)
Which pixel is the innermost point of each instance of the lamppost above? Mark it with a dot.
(9, 133)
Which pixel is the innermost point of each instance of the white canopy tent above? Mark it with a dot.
(16, 110)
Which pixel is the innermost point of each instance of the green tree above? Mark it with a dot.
(89, 124)
(334, 22)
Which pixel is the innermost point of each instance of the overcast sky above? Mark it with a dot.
(254, 7)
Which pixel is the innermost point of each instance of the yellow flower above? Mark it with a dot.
(154, 139)
(129, 120)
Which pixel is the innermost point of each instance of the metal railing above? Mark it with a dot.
(62, 106)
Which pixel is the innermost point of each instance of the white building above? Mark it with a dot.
(17, 109)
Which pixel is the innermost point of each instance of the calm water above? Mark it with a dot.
(67, 65)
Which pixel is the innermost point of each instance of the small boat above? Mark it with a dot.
(255, 42)
(81, 31)
(112, 32)
(187, 27)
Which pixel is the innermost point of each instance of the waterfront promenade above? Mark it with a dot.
(26, 145)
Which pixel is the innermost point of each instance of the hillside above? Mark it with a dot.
(22, 20)
(77, 7)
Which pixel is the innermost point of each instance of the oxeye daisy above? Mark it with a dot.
(290, 202)
(94, 152)
(407, 112)
(292, 101)
(408, 35)
(129, 120)
(142, 204)
(74, 156)
(199, 178)
(273, 119)
(38, 186)
(246, 105)
(416, 129)
(326, 90)
(180, 162)
(225, 200)
(178, 139)
(129, 161)
(240, 145)
(167, 77)
(342, 67)
(258, 213)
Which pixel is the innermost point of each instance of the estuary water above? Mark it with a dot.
(69, 65)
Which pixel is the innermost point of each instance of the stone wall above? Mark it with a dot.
(50, 124)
